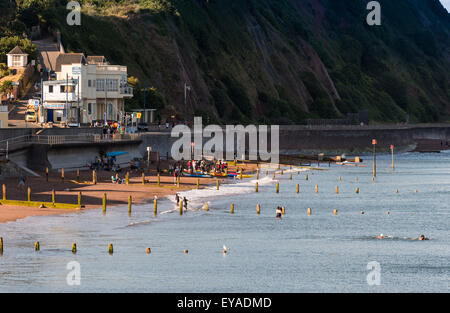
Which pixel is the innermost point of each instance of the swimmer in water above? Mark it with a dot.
(279, 212)
(422, 237)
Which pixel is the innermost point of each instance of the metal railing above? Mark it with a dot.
(14, 143)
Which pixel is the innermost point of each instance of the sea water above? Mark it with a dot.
(298, 253)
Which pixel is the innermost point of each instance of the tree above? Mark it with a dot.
(6, 86)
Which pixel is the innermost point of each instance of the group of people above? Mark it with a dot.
(106, 164)
(117, 180)
(112, 129)
(220, 167)
(184, 200)
(202, 166)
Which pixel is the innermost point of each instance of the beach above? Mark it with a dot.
(117, 194)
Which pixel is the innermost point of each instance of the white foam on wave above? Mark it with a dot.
(199, 197)
(293, 170)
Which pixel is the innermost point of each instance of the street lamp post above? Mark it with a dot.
(186, 88)
(392, 151)
(374, 143)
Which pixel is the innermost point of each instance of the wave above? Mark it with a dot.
(199, 197)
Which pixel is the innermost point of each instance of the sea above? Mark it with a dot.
(321, 252)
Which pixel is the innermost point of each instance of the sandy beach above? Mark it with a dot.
(117, 194)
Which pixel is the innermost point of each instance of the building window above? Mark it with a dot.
(109, 108)
(89, 83)
(89, 108)
(63, 89)
(112, 84)
(100, 85)
(16, 60)
(50, 88)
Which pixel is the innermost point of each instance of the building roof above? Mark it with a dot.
(69, 58)
(16, 50)
(96, 59)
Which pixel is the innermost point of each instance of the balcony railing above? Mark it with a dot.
(126, 91)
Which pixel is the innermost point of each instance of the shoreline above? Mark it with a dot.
(117, 194)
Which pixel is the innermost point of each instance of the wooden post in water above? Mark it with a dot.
(53, 196)
(155, 206)
(1, 245)
(258, 209)
(257, 174)
(130, 201)
(337, 190)
(178, 181)
(309, 211)
(256, 187)
(79, 199)
(290, 176)
(159, 180)
(278, 188)
(298, 188)
(29, 194)
(181, 207)
(74, 248)
(206, 207)
(217, 184)
(316, 189)
(307, 177)
(110, 248)
(4, 192)
(232, 208)
(198, 183)
(283, 210)
(335, 212)
(36, 246)
(104, 203)
(357, 190)
(143, 178)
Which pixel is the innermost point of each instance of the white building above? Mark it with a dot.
(86, 90)
(17, 58)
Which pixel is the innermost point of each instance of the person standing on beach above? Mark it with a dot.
(177, 199)
(185, 203)
(21, 182)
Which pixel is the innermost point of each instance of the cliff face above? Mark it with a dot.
(278, 61)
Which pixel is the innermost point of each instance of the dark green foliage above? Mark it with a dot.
(250, 60)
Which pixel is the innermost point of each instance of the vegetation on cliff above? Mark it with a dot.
(268, 61)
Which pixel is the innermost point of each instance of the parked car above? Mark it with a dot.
(142, 127)
(30, 115)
